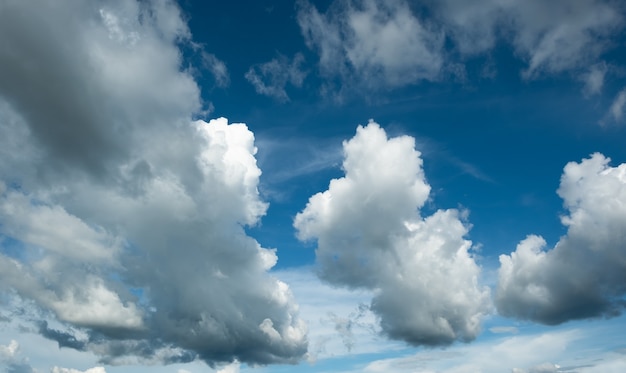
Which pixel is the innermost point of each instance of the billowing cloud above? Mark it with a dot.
(271, 78)
(584, 275)
(374, 43)
(370, 235)
(9, 357)
(120, 217)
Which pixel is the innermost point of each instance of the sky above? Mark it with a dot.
(313, 186)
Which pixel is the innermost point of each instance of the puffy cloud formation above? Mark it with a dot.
(370, 235)
(584, 275)
(271, 78)
(9, 356)
(119, 215)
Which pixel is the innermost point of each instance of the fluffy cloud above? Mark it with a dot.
(370, 236)
(584, 274)
(371, 42)
(120, 216)
(9, 356)
(271, 78)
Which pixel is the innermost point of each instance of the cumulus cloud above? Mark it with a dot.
(9, 356)
(378, 44)
(119, 215)
(584, 275)
(370, 235)
(271, 78)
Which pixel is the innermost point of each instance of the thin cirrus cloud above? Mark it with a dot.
(371, 236)
(120, 217)
(584, 275)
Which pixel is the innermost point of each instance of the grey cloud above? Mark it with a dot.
(584, 275)
(64, 339)
(370, 236)
(271, 78)
(129, 217)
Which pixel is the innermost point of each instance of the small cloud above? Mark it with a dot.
(594, 79)
(217, 68)
(271, 78)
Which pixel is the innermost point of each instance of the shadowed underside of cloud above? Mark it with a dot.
(118, 214)
(584, 275)
(370, 235)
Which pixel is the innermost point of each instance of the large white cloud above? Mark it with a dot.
(370, 235)
(584, 275)
(119, 215)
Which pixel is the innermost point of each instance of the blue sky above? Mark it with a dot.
(320, 186)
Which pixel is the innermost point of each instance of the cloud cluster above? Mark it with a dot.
(584, 275)
(550, 37)
(370, 235)
(119, 215)
(386, 44)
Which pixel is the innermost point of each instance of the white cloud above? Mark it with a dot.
(370, 236)
(618, 107)
(119, 214)
(594, 79)
(372, 43)
(218, 68)
(584, 274)
(271, 78)
(9, 351)
(9, 357)
(551, 37)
